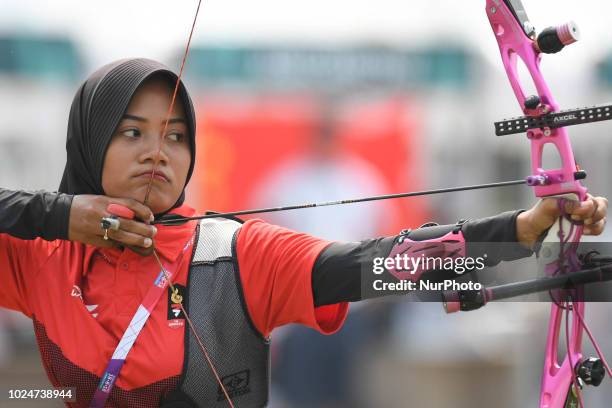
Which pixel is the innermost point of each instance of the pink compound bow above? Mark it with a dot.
(562, 381)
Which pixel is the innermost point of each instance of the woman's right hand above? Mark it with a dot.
(87, 212)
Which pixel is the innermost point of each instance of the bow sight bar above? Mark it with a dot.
(548, 121)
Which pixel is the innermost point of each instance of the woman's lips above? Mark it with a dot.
(158, 175)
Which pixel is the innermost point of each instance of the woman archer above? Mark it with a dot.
(104, 321)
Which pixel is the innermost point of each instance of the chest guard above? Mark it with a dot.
(216, 305)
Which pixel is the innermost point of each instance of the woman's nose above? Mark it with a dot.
(154, 148)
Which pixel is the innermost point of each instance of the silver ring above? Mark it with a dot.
(109, 223)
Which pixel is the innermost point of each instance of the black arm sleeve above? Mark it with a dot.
(482, 234)
(336, 275)
(30, 215)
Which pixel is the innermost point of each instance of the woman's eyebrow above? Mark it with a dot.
(177, 120)
(134, 117)
(141, 119)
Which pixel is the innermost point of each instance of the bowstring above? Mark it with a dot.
(172, 103)
(146, 199)
(193, 330)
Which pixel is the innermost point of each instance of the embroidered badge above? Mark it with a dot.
(177, 296)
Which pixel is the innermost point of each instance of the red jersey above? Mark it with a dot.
(82, 299)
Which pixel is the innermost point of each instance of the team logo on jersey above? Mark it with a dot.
(92, 310)
(176, 297)
(76, 292)
(236, 384)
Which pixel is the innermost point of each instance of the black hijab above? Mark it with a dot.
(97, 109)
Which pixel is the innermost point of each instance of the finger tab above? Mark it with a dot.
(120, 211)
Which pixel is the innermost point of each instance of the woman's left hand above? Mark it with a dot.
(86, 211)
(535, 221)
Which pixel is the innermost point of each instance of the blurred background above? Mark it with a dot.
(315, 101)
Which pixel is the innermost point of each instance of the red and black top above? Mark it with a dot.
(82, 298)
